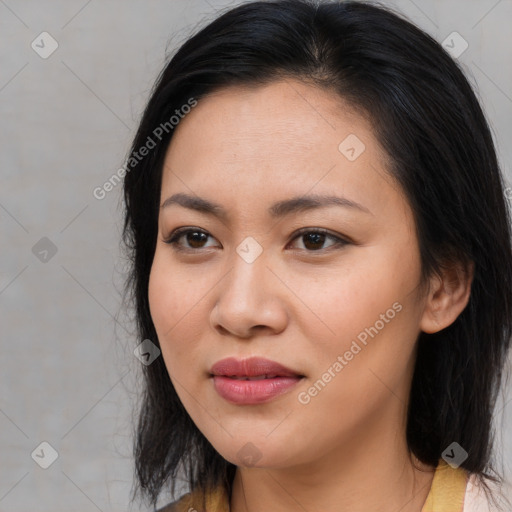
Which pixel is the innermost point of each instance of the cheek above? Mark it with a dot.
(176, 303)
(172, 294)
(370, 353)
(161, 296)
(344, 302)
(368, 315)
(167, 304)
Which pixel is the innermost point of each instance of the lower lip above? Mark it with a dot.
(252, 391)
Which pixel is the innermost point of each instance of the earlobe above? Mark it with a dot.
(448, 296)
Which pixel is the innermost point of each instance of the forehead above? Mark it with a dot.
(287, 115)
(284, 137)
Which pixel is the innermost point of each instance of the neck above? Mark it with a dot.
(374, 471)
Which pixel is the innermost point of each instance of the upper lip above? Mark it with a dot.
(251, 367)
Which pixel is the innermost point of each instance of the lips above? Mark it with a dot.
(252, 381)
(253, 368)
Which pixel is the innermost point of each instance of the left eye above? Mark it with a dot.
(313, 240)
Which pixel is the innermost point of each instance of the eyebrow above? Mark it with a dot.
(277, 210)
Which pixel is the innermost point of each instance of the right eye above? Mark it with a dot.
(195, 237)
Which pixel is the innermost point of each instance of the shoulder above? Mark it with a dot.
(170, 507)
(180, 505)
(214, 499)
(477, 500)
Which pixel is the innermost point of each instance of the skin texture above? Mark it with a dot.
(300, 303)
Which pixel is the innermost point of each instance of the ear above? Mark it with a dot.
(447, 297)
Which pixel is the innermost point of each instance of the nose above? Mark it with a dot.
(250, 301)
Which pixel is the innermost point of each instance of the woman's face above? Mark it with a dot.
(342, 310)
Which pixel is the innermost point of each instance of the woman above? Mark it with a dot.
(321, 251)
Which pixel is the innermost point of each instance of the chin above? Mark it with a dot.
(253, 453)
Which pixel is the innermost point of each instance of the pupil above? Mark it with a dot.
(315, 238)
(196, 234)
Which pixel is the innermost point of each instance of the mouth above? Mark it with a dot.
(254, 368)
(252, 381)
(259, 377)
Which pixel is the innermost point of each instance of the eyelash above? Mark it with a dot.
(178, 233)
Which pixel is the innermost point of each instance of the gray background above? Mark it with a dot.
(68, 375)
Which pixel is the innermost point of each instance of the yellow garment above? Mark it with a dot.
(448, 489)
(446, 494)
